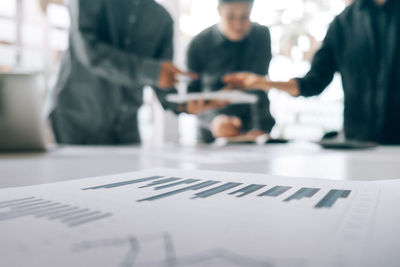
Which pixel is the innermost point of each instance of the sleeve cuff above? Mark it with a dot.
(150, 72)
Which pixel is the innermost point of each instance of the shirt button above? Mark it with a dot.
(132, 19)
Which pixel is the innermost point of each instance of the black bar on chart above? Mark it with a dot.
(108, 186)
(178, 191)
(216, 190)
(303, 193)
(330, 199)
(275, 191)
(248, 190)
(162, 181)
(187, 181)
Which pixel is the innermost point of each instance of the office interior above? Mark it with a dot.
(307, 143)
(34, 38)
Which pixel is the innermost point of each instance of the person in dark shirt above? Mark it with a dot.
(116, 47)
(363, 45)
(235, 44)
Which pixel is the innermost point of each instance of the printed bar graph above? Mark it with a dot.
(275, 191)
(46, 209)
(216, 190)
(12, 203)
(303, 193)
(248, 190)
(187, 181)
(52, 214)
(91, 219)
(330, 199)
(25, 212)
(107, 186)
(178, 191)
(8, 202)
(163, 181)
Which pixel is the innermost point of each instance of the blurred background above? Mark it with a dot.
(34, 34)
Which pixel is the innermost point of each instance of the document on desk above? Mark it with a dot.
(165, 217)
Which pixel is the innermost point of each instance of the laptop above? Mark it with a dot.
(21, 103)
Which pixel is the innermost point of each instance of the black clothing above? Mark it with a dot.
(362, 44)
(212, 56)
(115, 49)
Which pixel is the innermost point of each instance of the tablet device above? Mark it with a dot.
(231, 96)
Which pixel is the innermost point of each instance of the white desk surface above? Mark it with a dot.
(295, 160)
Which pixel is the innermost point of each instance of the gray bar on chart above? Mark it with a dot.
(29, 205)
(14, 215)
(162, 181)
(52, 211)
(60, 213)
(187, 181)
(91, 219)
(27, 209)
(22, 204)
(330, 199)
(80, 216)
(216, 190)
(16, 202)
(303, 193)
(63, 215)
(275, 191)
(178, 191)
(248, 190)
(108, 186)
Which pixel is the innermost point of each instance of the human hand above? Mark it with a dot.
(246, 81)
(254, 134)
(225, 126)
(196, 107)
(169, 75)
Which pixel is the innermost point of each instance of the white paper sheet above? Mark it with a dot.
(164, 217)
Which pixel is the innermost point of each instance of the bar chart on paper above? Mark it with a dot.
(69, 215)
(152, 217)
(209, 188)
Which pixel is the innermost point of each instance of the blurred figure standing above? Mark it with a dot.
(235, 44)
(363, 45)
(116, 47)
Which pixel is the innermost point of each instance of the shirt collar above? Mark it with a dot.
(220, 38)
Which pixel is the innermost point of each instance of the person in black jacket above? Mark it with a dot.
(234, 44)
(363, 45)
